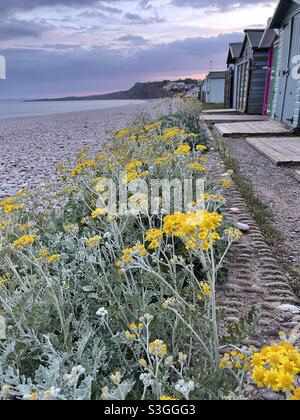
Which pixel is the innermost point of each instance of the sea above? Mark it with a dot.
(19, 108)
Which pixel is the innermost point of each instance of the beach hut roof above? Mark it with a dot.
(253, 36)
(269, 36)
(234, 51)
(217, 75)
(280, 13)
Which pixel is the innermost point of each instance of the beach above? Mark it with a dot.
(32, 147)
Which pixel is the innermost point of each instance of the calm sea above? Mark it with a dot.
(9, 109)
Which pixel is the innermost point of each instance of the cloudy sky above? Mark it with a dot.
(66, 47)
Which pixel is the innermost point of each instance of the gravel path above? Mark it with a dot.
(275, 186)
(32, 147)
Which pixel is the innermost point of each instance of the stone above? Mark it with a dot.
(289, 308)
(243, 227)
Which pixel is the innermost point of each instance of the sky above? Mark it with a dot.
(79, 47)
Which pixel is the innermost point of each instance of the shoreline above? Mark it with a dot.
(49, 113)
(33, 146)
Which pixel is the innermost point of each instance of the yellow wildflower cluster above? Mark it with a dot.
(25, 241)
(130, 253)
(195, 228)
(98, 212)
(121, 134)
(233, 233)
(201, 148)
(133, 165)
(53, 258)
(183, 150)
(152, 127)
(206, 289)
(93, 242)
(158, 348)
(89, 164)
(226, 182)
(236, 360)
(171, 133)
(23, 228)
(154, 236)
(196, 167)
(277, 367)
(212, 197)
(9, 208)
(4, 279)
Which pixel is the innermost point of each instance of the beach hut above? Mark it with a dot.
(286, 104)
(270, 40)
(213, 88)
(231, 80)
(252, 69)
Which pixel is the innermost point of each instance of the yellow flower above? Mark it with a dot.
(133, 165)
(129, 336)
(258, 376)
(285, 381)
(25, 241)
(153, 126)
(183, 150)
(206, 289)
(201, 148)
(143, 363)
(93, 242)
(116, 377)
(271, 379)
(53, 258)
(167, 398)
(89, 164)
(233, 233)
(122, 133)
(274, 359)
(295, 395)
(158, 348)
(104, 393)
(258, 360)
(44, 253)
(13, 207)
(197, 167)
(98, 212)
(226, 182)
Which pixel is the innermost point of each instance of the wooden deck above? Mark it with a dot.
(231, 118)
(297, 175)
(220, 111)
(267, 128)
(280, 150)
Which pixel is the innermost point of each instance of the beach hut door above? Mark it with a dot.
(288, 84)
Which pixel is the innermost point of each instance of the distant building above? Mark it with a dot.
(231, 81)
(213, 88)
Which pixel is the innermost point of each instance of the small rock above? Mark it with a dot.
(270, 396)
(289, 308)
(242, 227)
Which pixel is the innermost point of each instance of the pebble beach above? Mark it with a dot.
(32, 147)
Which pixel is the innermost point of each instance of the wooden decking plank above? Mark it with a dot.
(267, 151)
(220, 111)
(220, 119)
(279, 145)
(261, 128)
(289, 147)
